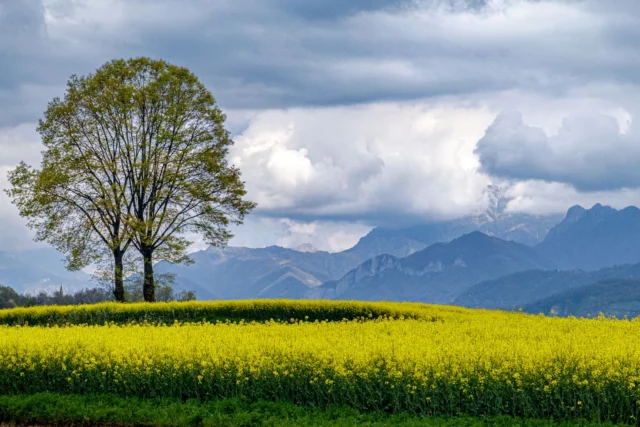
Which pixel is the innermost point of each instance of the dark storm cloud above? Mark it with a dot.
(288, 53)
(29, 67)
(588, 152)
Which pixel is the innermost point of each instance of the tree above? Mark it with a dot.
(9, 298)
(175, 148)
(78, 201)
(105, 270)
(185, 296)
(163, 285)
(135, 154)
(60, 298)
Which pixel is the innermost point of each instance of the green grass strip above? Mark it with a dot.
(107, 410)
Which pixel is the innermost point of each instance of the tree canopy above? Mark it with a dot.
(135, 155)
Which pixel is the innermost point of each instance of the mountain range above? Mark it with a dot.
(437, 274)
(589, 249)
(274, 271)
(618, 297)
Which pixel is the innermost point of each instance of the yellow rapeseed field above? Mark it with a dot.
(459, 362)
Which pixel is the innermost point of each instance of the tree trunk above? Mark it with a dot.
(118, 275)
(148, 286)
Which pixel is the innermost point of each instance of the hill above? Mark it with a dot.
(437, 274)
(515, 290)
(272, 272)
(617, 297)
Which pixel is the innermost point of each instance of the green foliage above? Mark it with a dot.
(90, 410)
(164, 282)
(8, 297)
(197, 311)
(59, 297)
(134, 154)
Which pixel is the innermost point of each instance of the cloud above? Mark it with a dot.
(285, 53)
(19, 143)
(349, 114)
(542, 197)
(383, 163)
(590, 152)
(332, 236)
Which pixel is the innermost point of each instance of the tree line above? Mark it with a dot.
(134, 160)
(165, 292)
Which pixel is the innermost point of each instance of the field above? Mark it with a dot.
(410, 360)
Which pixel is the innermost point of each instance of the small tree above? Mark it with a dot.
(163, 283)
(183, 296)
(9, 298)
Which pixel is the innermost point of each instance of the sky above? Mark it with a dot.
(352, 114)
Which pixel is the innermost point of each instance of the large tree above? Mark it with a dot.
(135, 155)
(78, 200)
(176, 148)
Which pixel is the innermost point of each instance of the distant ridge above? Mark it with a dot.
(37, 270)
(614, 297)
(437, 274)
(233, 272)
(519, 289)
(495, 220)
(590, 239)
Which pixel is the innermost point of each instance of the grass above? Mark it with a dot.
(59, 409)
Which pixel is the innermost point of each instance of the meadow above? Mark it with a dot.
(384, 358)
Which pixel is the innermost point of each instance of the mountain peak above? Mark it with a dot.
(477, 238)
(594, 238)
(632, 210)
(599, 212)
(575, 213)
(474, 236)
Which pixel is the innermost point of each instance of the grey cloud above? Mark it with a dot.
(399, 52)
(589, 152)
(333, 9)
(293, 55)
(286, 53)
(29, 68)
(21, 20)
